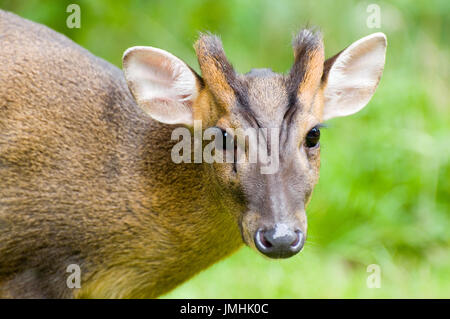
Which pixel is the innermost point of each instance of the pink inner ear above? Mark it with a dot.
(354, 76)
(156, 74)
(184, 96)
(168, 111)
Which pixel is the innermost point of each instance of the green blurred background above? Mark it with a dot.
(383, 195)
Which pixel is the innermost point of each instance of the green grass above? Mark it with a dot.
(383, 195)
(316, 273)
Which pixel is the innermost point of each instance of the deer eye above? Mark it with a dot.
(227, 140)
(312, 138)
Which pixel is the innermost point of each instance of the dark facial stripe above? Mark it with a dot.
(240, 89)
(216, 68)
(249, 116)
(305, 44)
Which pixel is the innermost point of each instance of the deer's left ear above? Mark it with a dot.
(351, 77)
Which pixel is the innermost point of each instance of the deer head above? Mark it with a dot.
(286, 109)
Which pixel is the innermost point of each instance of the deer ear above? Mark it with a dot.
(352, 76)
(163, 85)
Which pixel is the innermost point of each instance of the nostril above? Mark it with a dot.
(297, 239)
(263, 239)
(262, 243)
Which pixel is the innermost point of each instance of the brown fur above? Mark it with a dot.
(86, 177)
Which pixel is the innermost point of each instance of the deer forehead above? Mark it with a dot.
(267, 94)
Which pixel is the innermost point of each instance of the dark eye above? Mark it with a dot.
(312, 138)
(227, 140)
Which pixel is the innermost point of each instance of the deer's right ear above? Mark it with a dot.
(163, 85)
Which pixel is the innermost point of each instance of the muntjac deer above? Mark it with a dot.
(87, 176)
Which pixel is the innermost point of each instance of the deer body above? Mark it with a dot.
(86, 178)
(86, 174)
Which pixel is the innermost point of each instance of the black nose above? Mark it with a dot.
(280, 241)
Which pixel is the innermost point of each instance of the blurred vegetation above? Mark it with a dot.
(383, 195)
